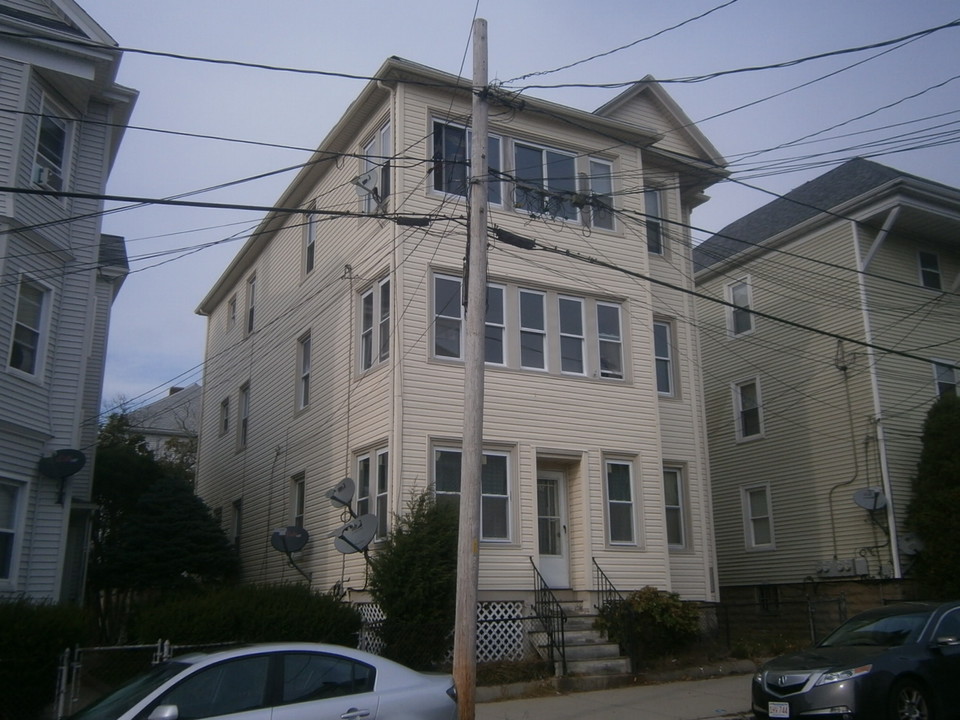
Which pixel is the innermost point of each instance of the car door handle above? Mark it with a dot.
(354, 713)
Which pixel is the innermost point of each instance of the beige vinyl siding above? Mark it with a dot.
(642, 110)
(414, 403)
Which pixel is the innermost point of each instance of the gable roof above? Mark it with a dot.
(845, 182)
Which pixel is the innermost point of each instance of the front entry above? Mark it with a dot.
(552, 528)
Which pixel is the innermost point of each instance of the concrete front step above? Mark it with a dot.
(598, 666)
(592, 651)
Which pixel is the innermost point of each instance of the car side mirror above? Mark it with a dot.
(165, 712)
(947, 641)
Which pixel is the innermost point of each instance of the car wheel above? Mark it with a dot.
(908, 701)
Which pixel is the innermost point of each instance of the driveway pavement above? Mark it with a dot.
(722, 697)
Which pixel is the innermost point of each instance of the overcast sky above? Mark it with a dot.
(898, 104)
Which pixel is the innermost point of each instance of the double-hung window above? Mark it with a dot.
(546, 181)
(251, 302)
(572, 336)
(610, 340)
(620, 512)
(746, 398)
(309, 242)
(451, 161)
(376, 166)
(739, 315)
(243, 416)
(533, 330)
(663, 357)
(929, 270)
(373, 473)
(496, 327)
(448, 317)
(375, 325)
(297, 499)
(654, 221)
(494, 489)
(26, 349)
(53, 147)
(601, 189)
(225, 416)
(758, 517)
(304, 345)
(945, 376)
(9, 514)
(232, 312)
(673, 505)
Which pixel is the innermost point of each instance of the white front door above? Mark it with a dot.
(552, 529)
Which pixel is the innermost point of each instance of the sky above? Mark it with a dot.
(898, 104)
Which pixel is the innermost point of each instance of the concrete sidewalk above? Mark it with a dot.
(722, 697)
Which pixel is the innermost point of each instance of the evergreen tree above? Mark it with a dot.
(932, 514)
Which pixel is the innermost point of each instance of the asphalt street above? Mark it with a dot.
(723, 697)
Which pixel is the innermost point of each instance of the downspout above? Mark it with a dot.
(874, 384)
(395, 447)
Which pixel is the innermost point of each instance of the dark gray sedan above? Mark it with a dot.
(899, 662)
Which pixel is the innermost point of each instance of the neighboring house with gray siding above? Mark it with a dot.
(61, 124)
(815, 436)
(169, 425)
(335, 342)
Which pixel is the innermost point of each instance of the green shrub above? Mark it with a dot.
(413, 579)
(250, 613)
(649, 624)
(33, 637)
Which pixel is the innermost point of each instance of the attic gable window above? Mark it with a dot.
(739, 317)
(653, 224)
(451, 161)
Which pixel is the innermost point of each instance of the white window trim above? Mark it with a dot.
(940, 366)
(43, 331)
(42, 166)
(540, 332)
(10, 584)
(250, 306)
(681, 507)
(750, 542)
(738, 409)
(501, 326)
(224, 424)
(304, 367)
(309, 242)
(619, 341)
(547, 190)
(608, 503)
(376, 500)
(731, 311)
(582, 337)
(605, 198)
(376, 154)
(653, 217)
(298, 496)
(511, 490)
(671, 391)
(374, 339)
(467, 155)
(921, 269)
(243, 416)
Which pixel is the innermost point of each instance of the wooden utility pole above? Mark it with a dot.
(468, 546)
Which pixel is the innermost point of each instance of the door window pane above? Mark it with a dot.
(230, 687)
(313, 676)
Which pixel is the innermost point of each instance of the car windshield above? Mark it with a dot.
(119, 701)
(884, 631)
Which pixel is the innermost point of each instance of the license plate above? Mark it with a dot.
(778, 709)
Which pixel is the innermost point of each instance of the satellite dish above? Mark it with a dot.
(911, 544)
(355, 535)
(366, 184)
(342, 494)
(62, 464)
(870, 498)
(289, 539)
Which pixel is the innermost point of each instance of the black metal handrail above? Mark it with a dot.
(549, 612)
(607, 593)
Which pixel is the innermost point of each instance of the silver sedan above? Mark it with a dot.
(281, 681)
